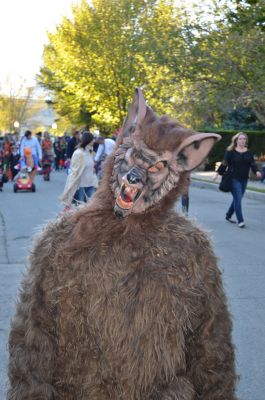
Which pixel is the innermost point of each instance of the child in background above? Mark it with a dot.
(29, 161)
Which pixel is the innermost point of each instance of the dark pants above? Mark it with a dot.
(185, 203)
(84, 193)
(263, 174)
(238, 190)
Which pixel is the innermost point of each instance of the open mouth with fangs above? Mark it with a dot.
(128, 196)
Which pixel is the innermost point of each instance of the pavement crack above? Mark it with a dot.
(21, 237)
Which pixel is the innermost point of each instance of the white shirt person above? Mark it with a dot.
(105, 148)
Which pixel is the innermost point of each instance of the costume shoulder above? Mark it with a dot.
(48, 242)
(32, 338)
(194, 245)
(190, 231)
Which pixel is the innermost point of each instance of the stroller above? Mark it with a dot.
(23, 182)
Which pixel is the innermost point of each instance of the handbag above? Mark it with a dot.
(226, 181)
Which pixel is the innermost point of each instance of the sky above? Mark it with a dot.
(23, 27)
(23, 34)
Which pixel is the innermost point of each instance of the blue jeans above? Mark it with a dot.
(84, 193)
(238, 190)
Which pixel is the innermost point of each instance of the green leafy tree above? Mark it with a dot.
(196, 68)
(247, 14)
(89, 62)
(16, 105)
(94, 61)
(227, 63)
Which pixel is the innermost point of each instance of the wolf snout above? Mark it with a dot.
(133, 178)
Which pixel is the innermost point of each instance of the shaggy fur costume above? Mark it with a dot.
(126, 305)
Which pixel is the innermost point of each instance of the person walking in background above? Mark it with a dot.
(16, 141)
(14, 159)
(105, 148)
(72, 144)
(56, 150)
(81, 181)
(63, 161)
(39, 137)
(240, 160)
(31, 142)
(47, 155)
(6, 157)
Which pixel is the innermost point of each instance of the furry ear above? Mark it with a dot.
(194, 149)
(136, 113)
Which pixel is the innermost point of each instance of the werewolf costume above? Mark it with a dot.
(123, 299)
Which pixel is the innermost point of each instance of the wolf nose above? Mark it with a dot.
(132, 178)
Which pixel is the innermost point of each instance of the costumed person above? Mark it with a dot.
(123, 299)
(31, 142)
(27, 161)
(14, 159)
(47, 155)
(81, 181)
(26, 165)
(6, 157)
(239, 159)
(57, 151)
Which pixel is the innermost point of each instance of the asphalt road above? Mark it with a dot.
(240, 251)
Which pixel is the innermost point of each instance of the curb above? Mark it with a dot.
(249, 194)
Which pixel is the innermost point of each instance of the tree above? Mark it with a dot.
(94, 61)
(246, 14)
(247, 26)
(195, 68)
(227, 67)
(15, 106)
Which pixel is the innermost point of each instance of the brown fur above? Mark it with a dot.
(129, 309)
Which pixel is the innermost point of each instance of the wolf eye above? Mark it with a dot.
(158, 166)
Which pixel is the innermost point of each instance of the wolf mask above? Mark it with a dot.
(151, 154)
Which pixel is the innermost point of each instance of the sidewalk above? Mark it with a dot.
(204, 179)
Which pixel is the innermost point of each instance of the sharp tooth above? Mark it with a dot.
(130, 189)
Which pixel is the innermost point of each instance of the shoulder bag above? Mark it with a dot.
(226, 181)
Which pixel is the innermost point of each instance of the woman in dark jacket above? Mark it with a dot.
(240, 160)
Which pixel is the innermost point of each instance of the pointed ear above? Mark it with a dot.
(194, 149)
(137, 111)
